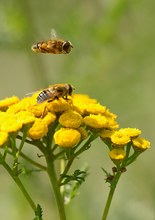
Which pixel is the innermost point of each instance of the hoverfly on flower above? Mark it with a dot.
(55, 92)
(53, 46)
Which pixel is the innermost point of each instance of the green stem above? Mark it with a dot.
(20, 185)
(54, 182)
(25, 130)
(33, 162)
(110, 196)
(66, 169)
(62, 166)
(132, 158)
(13, 144)
(70, 161)
(58, 154)
(86, 145)
(36, 143)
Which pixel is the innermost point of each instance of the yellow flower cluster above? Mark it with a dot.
(4, 104)
(83, 114)
(10, 123)
(119, 138)
(77, 116)
(15, 113)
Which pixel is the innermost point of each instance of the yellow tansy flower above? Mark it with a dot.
(89, 108)
(131, 132)
(49, 118)
(80, 108)
(3, 138)
(38, 130)
(59, 105)
(112, 124)
(4, 116)
(92, 108)
(96, 121)
(67, 137)
(71, 119)
(25, 117)
(80, 102)
(38, 109)
(104, 133)
(95, 108)
(117, 154)
(11, 125)
(82, 98)
(4, 104)
(9, 122)
(120, 138)
(141, 143)
(20, 106)
(110, 114)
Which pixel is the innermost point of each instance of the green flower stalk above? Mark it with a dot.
(62, 129)
(125, 146)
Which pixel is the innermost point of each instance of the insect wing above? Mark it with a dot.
(32, 93)
(53, 34)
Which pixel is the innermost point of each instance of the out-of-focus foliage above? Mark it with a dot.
(113, 61)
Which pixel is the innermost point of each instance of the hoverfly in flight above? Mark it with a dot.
(55, 92)
(53, 46)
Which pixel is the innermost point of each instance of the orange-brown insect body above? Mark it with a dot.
(53, 46)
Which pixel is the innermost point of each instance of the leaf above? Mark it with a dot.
(38, 213)
(72, 184)
(76, 176)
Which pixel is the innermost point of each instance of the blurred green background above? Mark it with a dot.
(113, 60)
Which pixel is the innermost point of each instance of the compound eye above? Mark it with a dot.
(35, 47)
(70, 90)
(66, 46)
